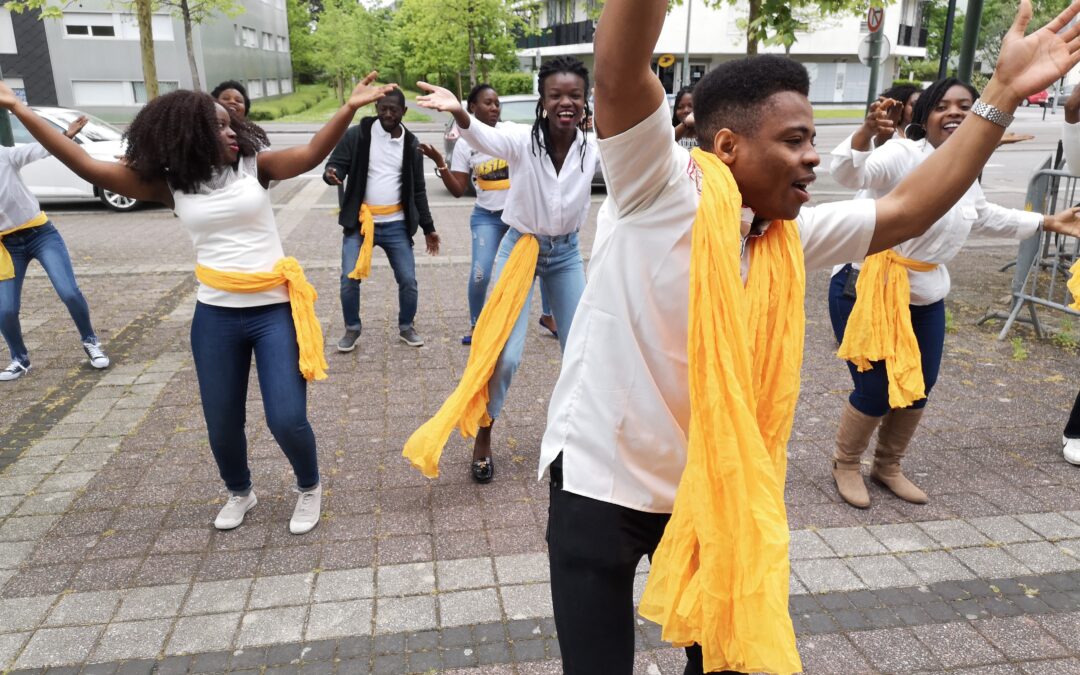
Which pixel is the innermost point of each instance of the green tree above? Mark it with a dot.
(346, 43)
(302, 23)
(195, 12)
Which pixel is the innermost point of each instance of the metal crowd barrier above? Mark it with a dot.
(1043, 261)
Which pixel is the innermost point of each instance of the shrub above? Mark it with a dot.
(508, 84)
(913, 83)
(300, 100)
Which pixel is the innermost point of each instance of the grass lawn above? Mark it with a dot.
(833, 113)
(325, 109)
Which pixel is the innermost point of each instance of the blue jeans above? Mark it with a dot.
(222, 341)
(562, 276)
(44, 244)
(871, 393)
(488, 230)
(392, 237)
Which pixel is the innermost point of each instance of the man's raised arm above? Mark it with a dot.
(627, 90)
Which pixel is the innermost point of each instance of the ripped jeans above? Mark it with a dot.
(488, 230)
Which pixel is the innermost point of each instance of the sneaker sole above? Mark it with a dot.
(1074, 462)
(254, 502)
(346, 350)
(12, 379)
(412, 344)
(94, 365)
(292, 530)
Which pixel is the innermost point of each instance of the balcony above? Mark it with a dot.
(580, 32)
(912, 36)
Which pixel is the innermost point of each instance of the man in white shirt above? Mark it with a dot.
(618, 422)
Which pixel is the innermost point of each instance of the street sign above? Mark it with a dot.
(666, 61)
(866, 49)
(875, 19)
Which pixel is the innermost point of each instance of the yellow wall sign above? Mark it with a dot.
(666, 61)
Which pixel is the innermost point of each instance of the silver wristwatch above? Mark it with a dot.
(989, 112)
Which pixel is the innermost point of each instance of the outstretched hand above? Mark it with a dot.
(438, 98)
(76, 126)
(8, 99)
(882, 118)
(1028, 64)
(365, 93)
(1066, 222)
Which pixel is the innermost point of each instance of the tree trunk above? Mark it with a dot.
(340, 85)
(751, 38)
(472, 47)
(185, 10)
(146, 47)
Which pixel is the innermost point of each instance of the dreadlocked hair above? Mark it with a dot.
(175, 138)
(541, 131)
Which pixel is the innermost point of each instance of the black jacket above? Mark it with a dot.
(350, 161)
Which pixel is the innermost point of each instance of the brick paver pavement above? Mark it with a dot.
(109, 562)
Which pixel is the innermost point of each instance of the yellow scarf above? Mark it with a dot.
(367, 231)
(302, 298)
(879, 328)
(720, 575)
(493, 185)
(7, 267)
(466, 408)
(1074, 285)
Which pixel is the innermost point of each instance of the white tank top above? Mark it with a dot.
(231, 223)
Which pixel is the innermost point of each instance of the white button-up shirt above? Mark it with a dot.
(17, 203)
(620, 412)
(875, 173)
(539, 201)
(386, 157)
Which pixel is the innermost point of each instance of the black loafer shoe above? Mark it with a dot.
(483, 470)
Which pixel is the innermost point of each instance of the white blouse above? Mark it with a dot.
(539, 201)
(875, 173)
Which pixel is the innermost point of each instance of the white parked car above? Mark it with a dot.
(50, 181)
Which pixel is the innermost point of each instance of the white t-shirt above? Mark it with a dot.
(875, 173)
(17, 203)
(231, 223)
(539, 201)
(386, 157)
(620, 411)
(481, 168)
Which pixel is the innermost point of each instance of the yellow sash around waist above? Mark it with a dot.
(302, 296)
(367, 231)
(7, 267)
(466, 408)
(1074, 285)
(879, 328)
(493, 185)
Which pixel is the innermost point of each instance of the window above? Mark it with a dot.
(93, 92)
(282, 43)
(19, 132)
(160, 24)
(268, 42)
(138, 89)
(89, 25)
(236, 34)
(255, 88)
(286, 86)
(272, 88)
(7, 34)
(250, 38)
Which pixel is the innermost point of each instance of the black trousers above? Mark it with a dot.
(1072, 429)
(594, 548)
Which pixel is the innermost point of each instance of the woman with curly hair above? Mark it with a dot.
(682, 118)
(234, 97)
(551, 169)
(185, 151)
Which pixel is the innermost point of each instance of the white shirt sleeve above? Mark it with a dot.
(837, 233)
(22, 155)
(638, 163)
(460, 159)
(998, 221)
(1070, 143)
(505, 142)
(880, 169)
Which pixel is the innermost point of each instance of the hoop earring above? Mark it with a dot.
(544, 113)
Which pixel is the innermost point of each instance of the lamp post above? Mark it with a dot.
(686, 52)
(971, 35)
(946, 47)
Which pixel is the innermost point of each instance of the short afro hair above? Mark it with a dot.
(731, 95)
(233, 84)
(395, 95)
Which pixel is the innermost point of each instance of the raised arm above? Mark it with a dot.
(627, 90)
(289, 163)
(486, 139)
(112, 176)
(1026, 65)
(869, 169)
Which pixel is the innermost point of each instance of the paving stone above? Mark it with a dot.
(990, 562)
(1020, 638)
(957, 644)
(1042, 557)
(214, 662)
(272, 626)
(953, 533)
(213, 597)
(522, 569)
(808, 545)
(1056, 667)
(27, 528)
(1050, 525)
(154, 602)
(1064, 627)
(58, 646)
(462, 608)
(1004, 529)
(849, 541)
(902, 538)
(339, 619)
(935, 566)
(279, 591)
(79, 609)
(882, 571)
(398, 615)
(894, 650)
(825, 576)
(132, 640)
(207, 633)
(831, 655)
(527, 601)
(345, 585)
(23, 613)
(455, 575)
(10, 645)
(401, 580)
(13, 553)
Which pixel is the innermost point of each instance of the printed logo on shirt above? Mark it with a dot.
(693, 172)
(492, 170)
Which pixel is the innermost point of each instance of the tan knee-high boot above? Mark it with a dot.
(851, 440)
(893, 439)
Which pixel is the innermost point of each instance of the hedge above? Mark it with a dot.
(300, 100)
(508, 84)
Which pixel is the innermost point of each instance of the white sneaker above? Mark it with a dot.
(14, 371)
(232, 514)
(1071, 449)
(97, 356)
(306, 514)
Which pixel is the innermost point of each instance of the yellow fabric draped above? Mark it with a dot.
(7, 267)
(302, 298)
(879, 328)
(367, 231)
(466, 408)
(493, 185)
(1074, 285)
(720, 575)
